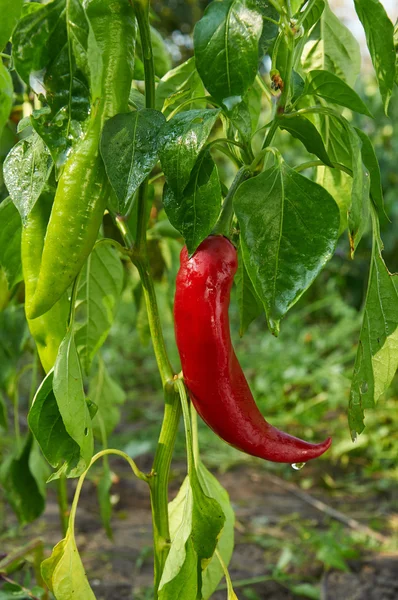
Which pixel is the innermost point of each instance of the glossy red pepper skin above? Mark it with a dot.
(212, 373)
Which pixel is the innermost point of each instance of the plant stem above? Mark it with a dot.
(283, 100)
(159, 481)
(319, 163)
(168, 433)
(62, 498)
(224, 223)
(141, 8)
(270, 134)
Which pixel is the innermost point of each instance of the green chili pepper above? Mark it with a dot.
(83, 187)
(49, 329)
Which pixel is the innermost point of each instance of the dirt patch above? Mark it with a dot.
(122, 568)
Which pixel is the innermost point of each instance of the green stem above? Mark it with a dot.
(160, 480)
(141, 8)
(283, 100)
(270, 135)
(17, 430)
(82, 477)
(155, 327)
(62, 499)
(319, 163)
(180, 387)
(195, 437)
(207, 99)
(224, 223)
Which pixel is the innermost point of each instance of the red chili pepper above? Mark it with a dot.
(212, 373)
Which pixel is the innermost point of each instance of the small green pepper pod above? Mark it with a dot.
(48, 330)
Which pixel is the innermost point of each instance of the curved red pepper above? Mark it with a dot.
(213, 375)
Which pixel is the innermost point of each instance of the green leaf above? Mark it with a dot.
(180, 577)
(36, 36)
(179, 84)
(69, 393)
(3, 413)
(100, 287)
(183, 138)
(302, 129)
(130, 147)
(358, 212)
(352, 195)
(270, 30)
(250, 305)
(63, 572)
(240, 117)
(26, 171)
(46, 424)
(226, 47)
(6, 95)
(194, 213)
(335, 90)
(332, 47)
(314, 14)
(379, 33)
(10, 12)
(377, 356)
(22, 480)
(108, 396)
(372, 164)
(289, 229)
(10, 242)
(196, 522)
(214, 571)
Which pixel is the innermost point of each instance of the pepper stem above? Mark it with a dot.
(224, 223)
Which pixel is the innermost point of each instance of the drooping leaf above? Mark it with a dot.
(358, 212)
(379, 33)
(71, 401)
(6, 95)
(179, 85)
(289, 228)
(26, 171)
(195, 211)
(226, 47)
(372, 164)
(196, 522)
(130, 147)
(22, 480)
(108, 396)
(180, 575)
(46, 424)
(183, 138)
(63, 572)
(250, 305)
(377, 356)
(10, 12)
(332, 88)
(100, 287)
(214, 571)
(10, 242)
(333, 47)
(302, 129)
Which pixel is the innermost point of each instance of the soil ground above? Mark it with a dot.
(121, 569)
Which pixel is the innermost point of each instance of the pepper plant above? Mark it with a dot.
(110, 152)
